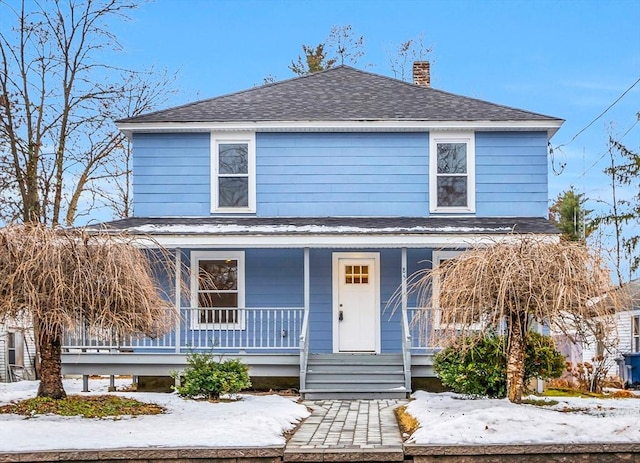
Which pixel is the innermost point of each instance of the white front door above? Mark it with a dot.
(356, 304)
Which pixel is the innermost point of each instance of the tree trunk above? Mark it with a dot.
(50, 363)
(516, 348)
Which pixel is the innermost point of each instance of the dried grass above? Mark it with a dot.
(408, 423)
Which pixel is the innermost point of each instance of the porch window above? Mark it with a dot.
(233, 173)
(218, 288)
(635, 334)
(440, 319)
(452, 172)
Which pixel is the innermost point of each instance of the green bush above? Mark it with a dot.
(478, 366)
(208, 378)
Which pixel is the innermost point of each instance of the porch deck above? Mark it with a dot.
(271, 341)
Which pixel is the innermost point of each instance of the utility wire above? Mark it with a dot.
(606, 151)
(601, 114)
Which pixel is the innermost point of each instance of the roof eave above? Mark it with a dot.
(551, 126)
(353, 241)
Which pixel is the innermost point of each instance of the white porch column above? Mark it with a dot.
(304, 335)
(178, 298)
(404, 279)
(307, 282)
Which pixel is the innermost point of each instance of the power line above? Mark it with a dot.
(606, 151)
(601, 114)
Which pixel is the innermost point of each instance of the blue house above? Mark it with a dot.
(301, 207)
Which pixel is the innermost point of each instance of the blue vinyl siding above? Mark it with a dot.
(342, 174)
(320, 317)
(390, 319)
(511, 174)
(171, 174)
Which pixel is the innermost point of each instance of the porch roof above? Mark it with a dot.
(329, 231)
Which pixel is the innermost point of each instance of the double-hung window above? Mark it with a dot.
(15, 346)
(445, 319)
(635, 333)
(233, 172)
(452, 172)
(217, 288)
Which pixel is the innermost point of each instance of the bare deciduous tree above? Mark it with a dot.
(60, 278)
(402, 57)
(513, 285)
(348, 48)
(58, 100)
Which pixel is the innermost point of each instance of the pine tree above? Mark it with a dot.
(570, 216)
(625, 171)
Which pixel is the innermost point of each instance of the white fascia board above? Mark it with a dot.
(332, 241)
(550, 126)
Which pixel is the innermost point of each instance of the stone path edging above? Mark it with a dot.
(273, 453)
(420, 453)
(521, 449)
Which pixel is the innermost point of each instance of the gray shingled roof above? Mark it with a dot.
(340, 94)
(330, 225)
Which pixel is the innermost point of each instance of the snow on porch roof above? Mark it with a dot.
(328, 225)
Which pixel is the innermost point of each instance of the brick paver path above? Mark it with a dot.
(348, 430)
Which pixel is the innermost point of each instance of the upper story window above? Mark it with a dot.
(452, 172)
(233, 172)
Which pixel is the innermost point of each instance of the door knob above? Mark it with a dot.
(340, 316)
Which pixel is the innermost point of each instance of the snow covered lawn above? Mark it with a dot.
(255, 421)
(448, 418)
(258, 421)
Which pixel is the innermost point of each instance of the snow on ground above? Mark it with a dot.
(254, 421)
(447, 418)
(258, 421)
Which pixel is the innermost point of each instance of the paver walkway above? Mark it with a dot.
(347, 430)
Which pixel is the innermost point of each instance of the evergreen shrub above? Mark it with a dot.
(478, 364)
(206, 377)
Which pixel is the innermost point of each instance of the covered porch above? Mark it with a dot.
(316, 299)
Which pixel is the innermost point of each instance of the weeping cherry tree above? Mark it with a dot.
(514, 286)
(60, 278)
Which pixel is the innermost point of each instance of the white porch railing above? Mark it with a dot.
(420, 329)
(256, 328)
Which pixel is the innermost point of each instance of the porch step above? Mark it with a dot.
(355, 376)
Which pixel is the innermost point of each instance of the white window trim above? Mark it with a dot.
(452, 137)
(635, 337)
(232, 137)
(196, 257)
(437, 258)
(17, 348)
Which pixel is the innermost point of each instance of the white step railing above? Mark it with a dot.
(256, 328)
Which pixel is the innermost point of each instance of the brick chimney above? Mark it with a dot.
(422, 73)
